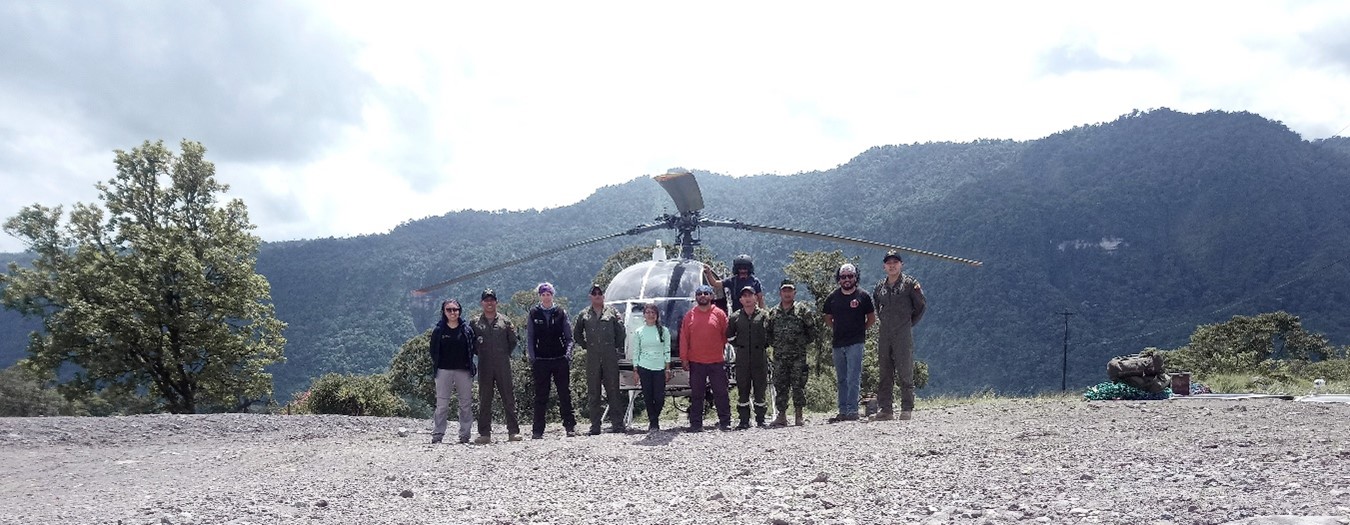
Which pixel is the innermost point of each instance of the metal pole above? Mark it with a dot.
(1064, 374)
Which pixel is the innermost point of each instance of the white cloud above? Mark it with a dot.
(523, 105)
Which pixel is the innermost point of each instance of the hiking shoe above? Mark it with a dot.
(693, 429)
(514, 437)
(725, 427)
(906, 415)
(463, 440)
(745, 425)
(571, 433)
(436, 438)
(482, 440)
(617, 430)
(595, 431)
(837, 418)
(536, 436)
(883, 416)
(653, 428)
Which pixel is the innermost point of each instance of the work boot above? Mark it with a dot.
(800, 419)
(595, 430)
(780, 420)
(759, 415)
(617, 429)
(906, 415)
(745, 424)
(884, 415)
(744, 413)
(483, 439)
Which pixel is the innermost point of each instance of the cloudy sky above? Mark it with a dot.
(338, 119)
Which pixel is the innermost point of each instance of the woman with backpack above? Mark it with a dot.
(651, 360)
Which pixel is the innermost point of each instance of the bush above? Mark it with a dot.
(355, 395)
(21, 396)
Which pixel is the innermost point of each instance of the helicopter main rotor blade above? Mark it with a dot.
(683, 189)
(632, 231)
(835, 238)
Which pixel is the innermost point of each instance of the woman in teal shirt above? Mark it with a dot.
(651, 359)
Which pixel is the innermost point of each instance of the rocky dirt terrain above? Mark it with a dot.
(1009, 461)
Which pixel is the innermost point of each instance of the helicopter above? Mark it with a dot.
(670, 283)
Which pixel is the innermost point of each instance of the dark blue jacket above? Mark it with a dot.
(453, 348)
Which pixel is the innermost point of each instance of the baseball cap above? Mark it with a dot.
(892, 255)
(750, 289)
(487, 292)
(787, 283)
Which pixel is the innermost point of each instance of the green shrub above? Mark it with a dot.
(21, 396)
(355, 395)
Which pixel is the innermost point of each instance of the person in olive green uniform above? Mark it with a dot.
(747, 329)
(496, 338)
(599, 329)
(900, 305)
(792, 329)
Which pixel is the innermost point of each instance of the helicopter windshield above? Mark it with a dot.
(654, 280)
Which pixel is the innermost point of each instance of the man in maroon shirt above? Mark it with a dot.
(703, 341)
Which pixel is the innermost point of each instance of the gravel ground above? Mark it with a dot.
(1011, 461)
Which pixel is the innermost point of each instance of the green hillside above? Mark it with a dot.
(1143, 227)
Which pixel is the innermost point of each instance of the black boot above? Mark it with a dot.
(760, 410)
(744, 412)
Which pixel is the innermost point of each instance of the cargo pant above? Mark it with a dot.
(701, 377)
(602, 370)
(494, 376)
(552, 373)
(790, 371)
(895, 354)
(460, 384)
(752, 377)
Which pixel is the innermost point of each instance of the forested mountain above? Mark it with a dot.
(1143, 228)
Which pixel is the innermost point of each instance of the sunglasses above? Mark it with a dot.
(703, 293)
(452, 309)
(848, 276)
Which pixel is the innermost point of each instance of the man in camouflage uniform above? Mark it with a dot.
(599, 329)
(748, 331)
(496, 340)
(792, 329)
(900, 305)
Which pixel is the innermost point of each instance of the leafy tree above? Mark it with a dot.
(154, 293)
(410, 372)
(21, 396)
(1272, 342)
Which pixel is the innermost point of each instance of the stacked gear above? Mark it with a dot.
(1144, 371)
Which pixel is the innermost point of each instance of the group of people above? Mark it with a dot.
(897, 302)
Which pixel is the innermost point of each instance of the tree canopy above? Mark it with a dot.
(153, 293)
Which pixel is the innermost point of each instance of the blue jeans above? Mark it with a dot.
(848, 373)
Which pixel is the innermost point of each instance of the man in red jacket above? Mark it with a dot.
(703, 341)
